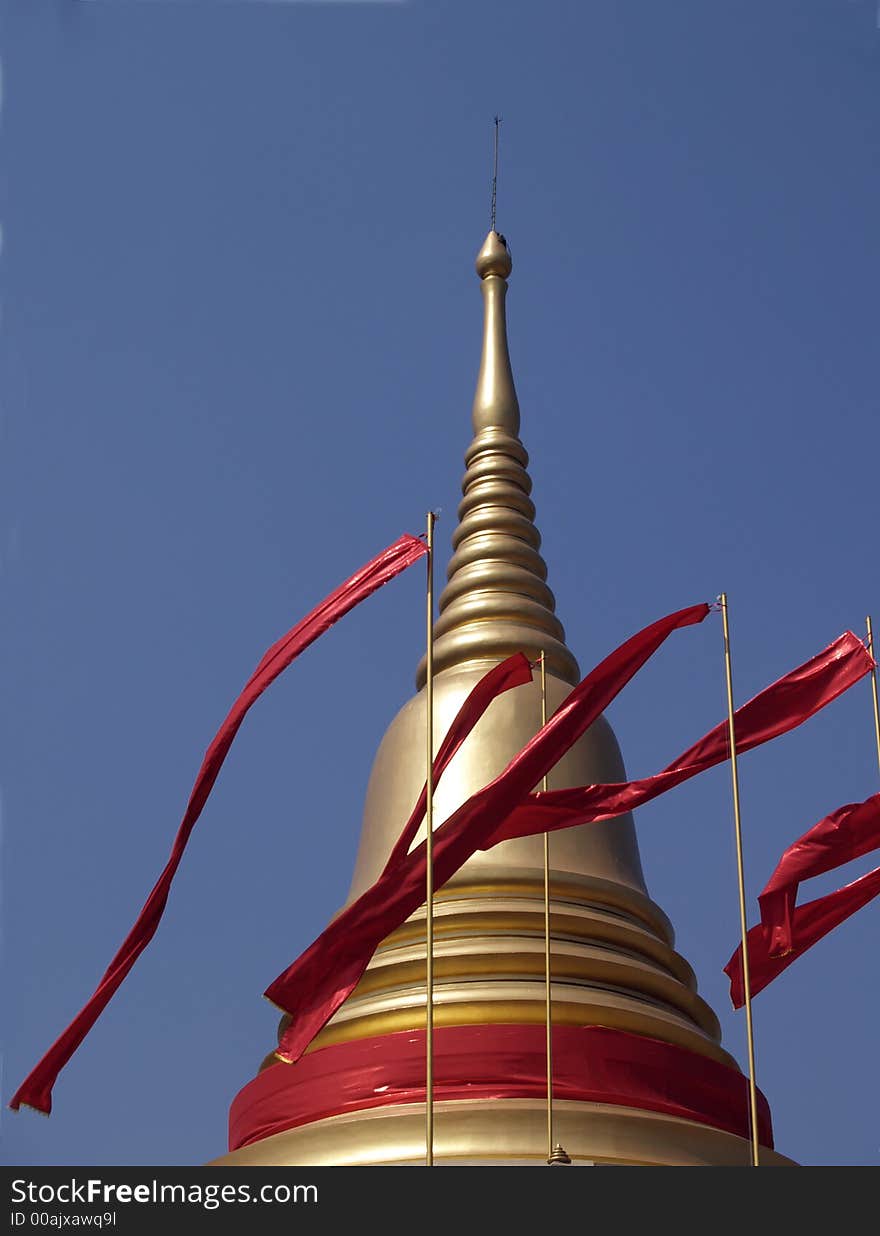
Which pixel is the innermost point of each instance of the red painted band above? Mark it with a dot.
(590, 1063)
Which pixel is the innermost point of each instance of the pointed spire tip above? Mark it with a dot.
(496, 601)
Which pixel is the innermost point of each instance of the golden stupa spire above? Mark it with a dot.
(497, 601)
(510, 915)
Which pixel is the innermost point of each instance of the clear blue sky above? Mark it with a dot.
(240, 337)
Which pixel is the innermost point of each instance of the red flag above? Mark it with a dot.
(779, 708)
(847, 833)
(514, 672)
(809, 923)
(36, 1090)
(313, 987)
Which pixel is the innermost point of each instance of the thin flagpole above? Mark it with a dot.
(731, 729)
(429, 845)
(874, 688)
(555, 1152)
(548, 992)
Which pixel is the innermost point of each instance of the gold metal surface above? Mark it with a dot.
(741, 887)
(508, 1131)
(521, 1003)
(494, 259)
(605, 851)
(496, 601)
(567, 887)
(585, 967)
(492, 926)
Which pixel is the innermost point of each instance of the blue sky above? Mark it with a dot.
(240, 334)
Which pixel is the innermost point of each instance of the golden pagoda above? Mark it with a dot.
(640, 1076)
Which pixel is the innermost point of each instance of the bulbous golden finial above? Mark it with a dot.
(497, 601)
(494, 257)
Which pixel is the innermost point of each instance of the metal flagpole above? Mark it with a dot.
(874, 687)
(731, 729)
(429, 845)
(555, 1153)
(548, 1012)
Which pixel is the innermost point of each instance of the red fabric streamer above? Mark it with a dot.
(845, 834)
(313, 987)
(36, 1090)
(809, 923)
(514, 672)
(591, 1064)
(779, 708)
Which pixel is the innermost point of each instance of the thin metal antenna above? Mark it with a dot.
(495, 171)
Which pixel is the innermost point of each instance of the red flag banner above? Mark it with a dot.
(313, 987)
(845, 834)
(779, 708)
(36, 1090)
(809, 923)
